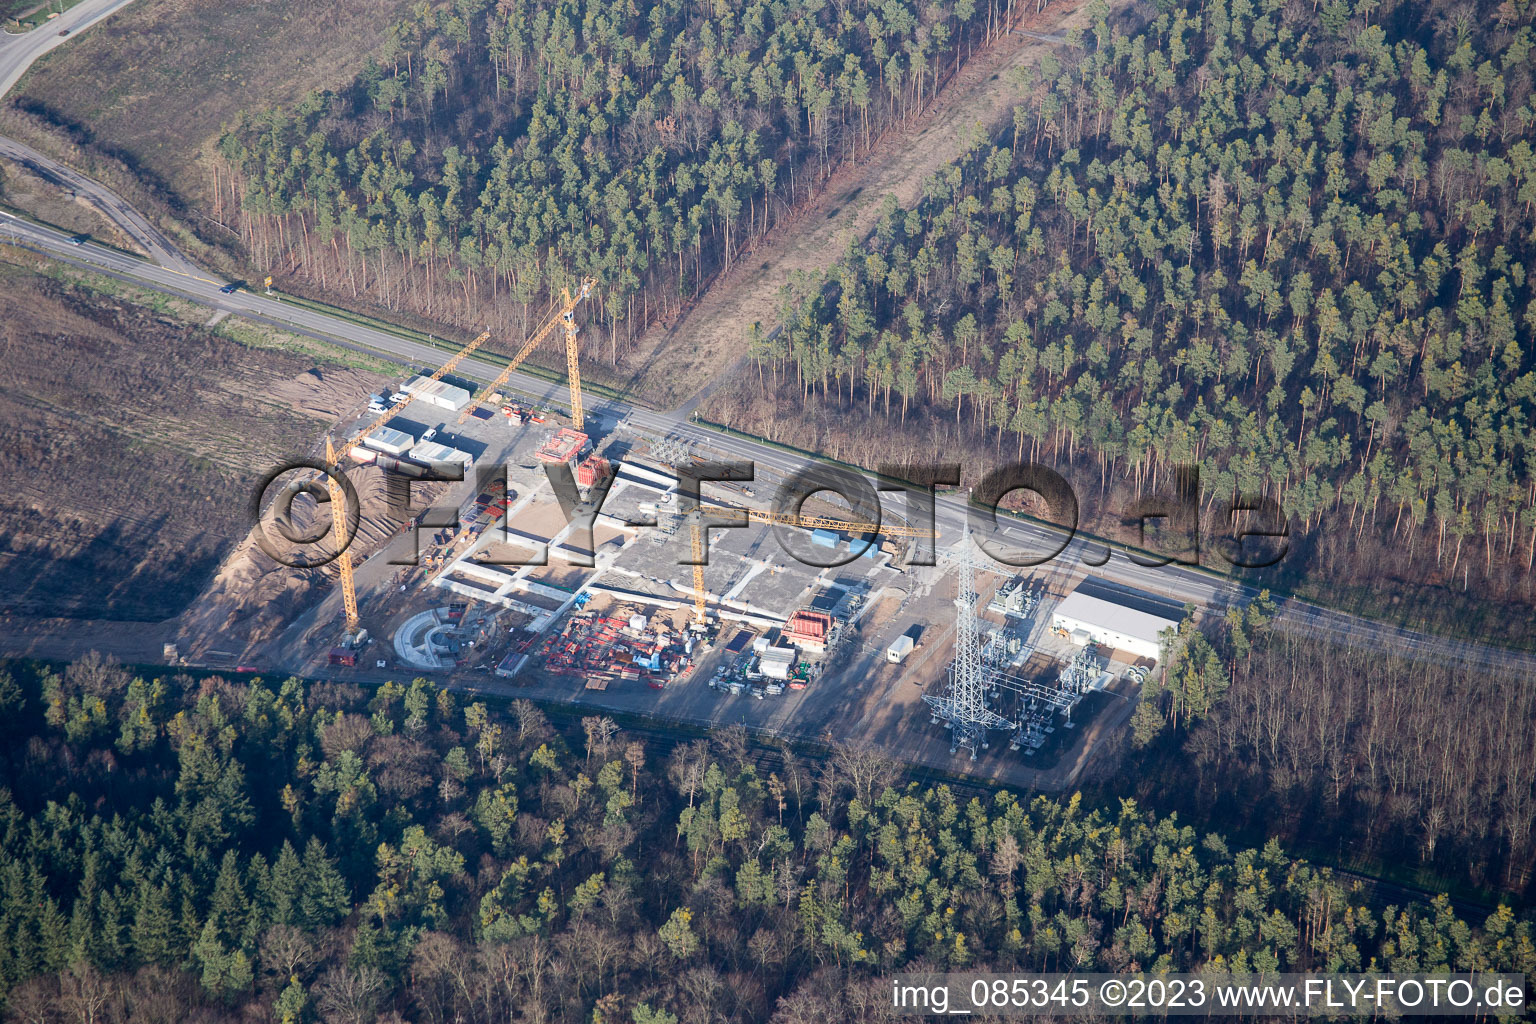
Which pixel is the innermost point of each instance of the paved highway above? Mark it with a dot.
(111, 205)
(1178, 585)
(19, 50)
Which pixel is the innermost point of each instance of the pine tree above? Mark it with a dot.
(154, 931)
(291, 1004)
(285, 888)
(326, 897)
(228, 907)
(223, 971)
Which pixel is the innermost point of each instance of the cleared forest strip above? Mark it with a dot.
(671, 364)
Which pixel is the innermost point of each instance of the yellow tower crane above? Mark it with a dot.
(339, 534)
(333, 458)
(700, 595)
(565, 317)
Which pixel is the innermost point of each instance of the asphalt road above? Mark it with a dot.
(1177, 584)
(17, 52)
(111, 205)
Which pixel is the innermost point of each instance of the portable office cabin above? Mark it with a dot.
(776, 662)
(389, 441)
(431, 451)
(435, 392)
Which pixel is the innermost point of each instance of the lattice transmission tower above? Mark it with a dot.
(963, 707)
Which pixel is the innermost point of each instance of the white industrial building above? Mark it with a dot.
(1112, 625)
(435, 392)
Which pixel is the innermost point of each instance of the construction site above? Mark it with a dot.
(546, 552)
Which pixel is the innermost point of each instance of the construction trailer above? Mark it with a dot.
(899, 649)
(776, 662)
(429, 452)
(1111, 624)
(437, 393)
(389, 441)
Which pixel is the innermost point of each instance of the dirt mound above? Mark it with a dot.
(253, 599)
(327, 393)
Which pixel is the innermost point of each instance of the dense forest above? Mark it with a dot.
(207, 849)
(1286, 242)
(492, 153)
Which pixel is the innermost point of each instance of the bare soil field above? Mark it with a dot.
(133, 440)
(150, 86)
(670, 364)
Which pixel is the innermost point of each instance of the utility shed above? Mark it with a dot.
(899, 649)
(435, 392)
(1111, 624)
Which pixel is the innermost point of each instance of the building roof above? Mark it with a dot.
(390, 437)
(428, 386)
(1109, 615)
(431, 451)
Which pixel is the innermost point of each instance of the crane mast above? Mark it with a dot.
(339, 532)
(564, 317)
(572, 358)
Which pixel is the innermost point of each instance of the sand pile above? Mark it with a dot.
(253, 598)
(327, 394)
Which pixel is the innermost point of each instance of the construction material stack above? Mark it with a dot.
(564, 445)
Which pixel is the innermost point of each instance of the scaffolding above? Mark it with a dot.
(671, 452)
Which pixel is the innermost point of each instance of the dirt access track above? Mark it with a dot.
(671, 367)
